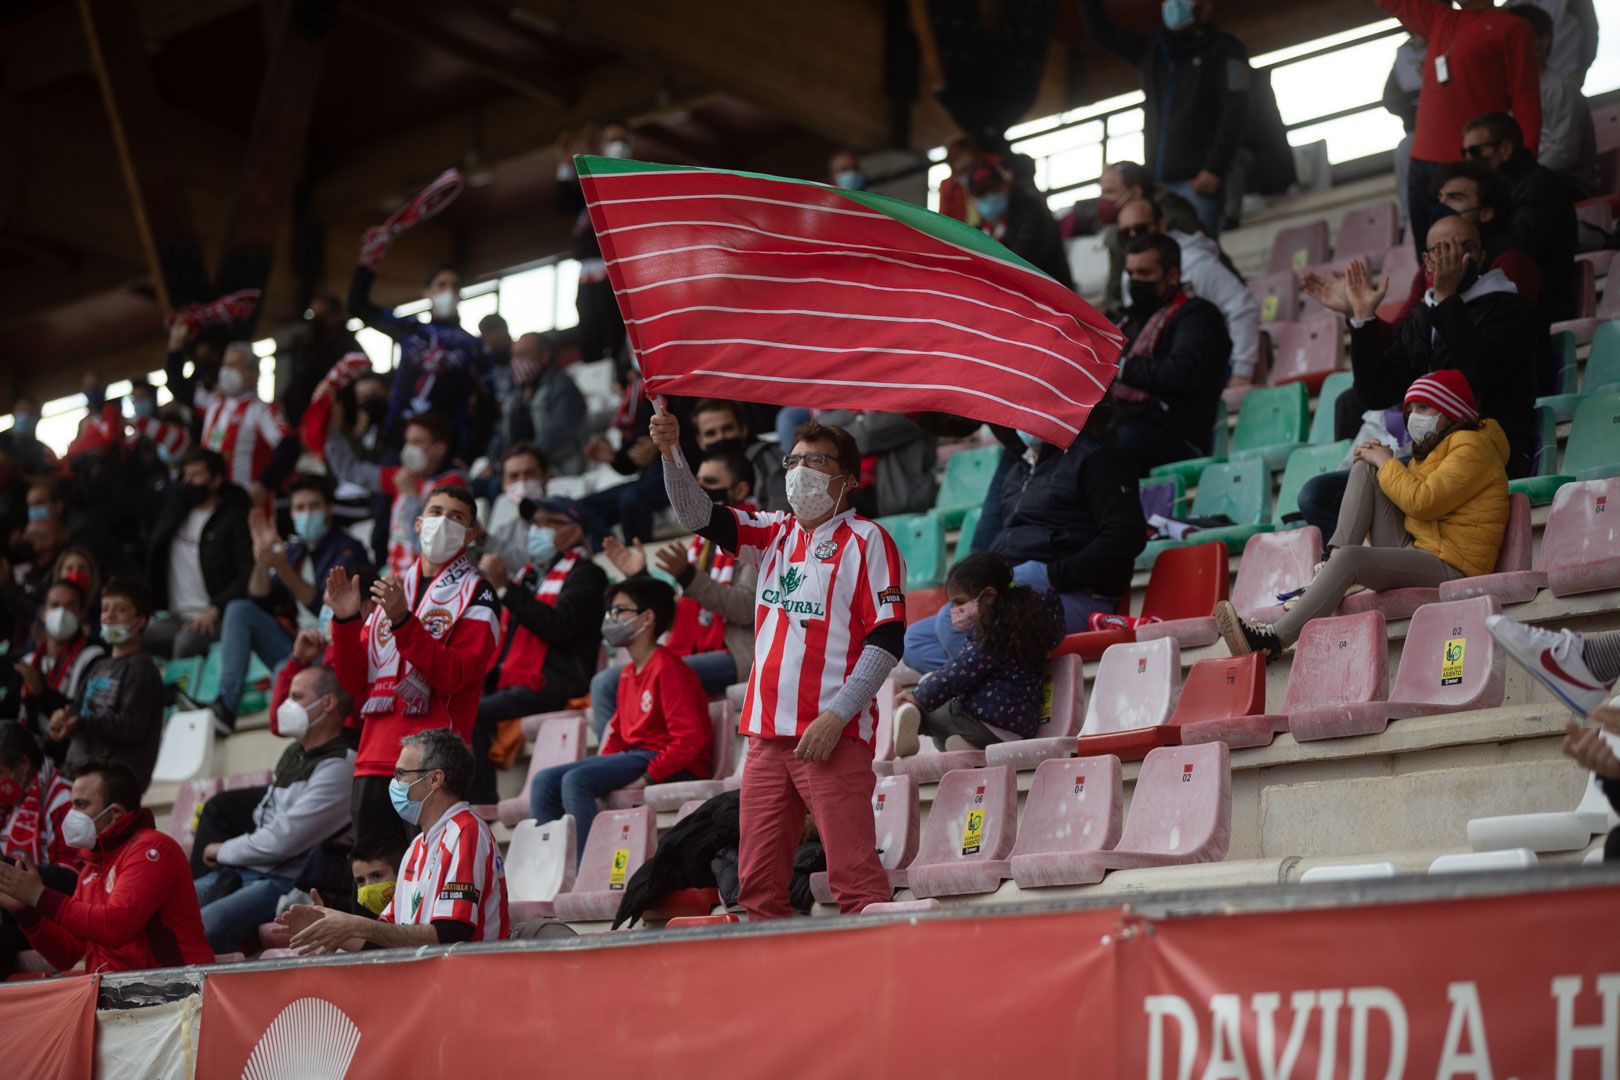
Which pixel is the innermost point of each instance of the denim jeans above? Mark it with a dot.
(715, 670)
(1211, 208)
(574, 788)
(232, 920)
(630, 505)
(247, 628)
(933, 642)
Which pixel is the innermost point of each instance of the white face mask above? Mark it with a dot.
(61, 624)
(618, 148)
(444, 304)
(116, 634)
(79, 829)
(230, 381)
(442, 538)
(1422, 428)
(414, 458)
(292, 720)
(532, 490)
(809, 493)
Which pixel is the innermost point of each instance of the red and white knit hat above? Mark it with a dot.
(1446, 391)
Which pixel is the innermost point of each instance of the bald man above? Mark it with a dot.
(1205, 275)
(1474, 322)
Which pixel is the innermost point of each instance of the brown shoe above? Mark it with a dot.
(1243, 637)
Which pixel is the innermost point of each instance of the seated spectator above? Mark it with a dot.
(284, 591)
(543, 407)
(78, 565)
(1017, 215)
(1543, 225)
(1568, 143)
(53, 675)
(34, 798)
(44, 537)
(1472, 322)
(525, 473)
(1175, 361)
(1436, 520)
(999, 675)
(1072, 523)
(550, 636)
(375, 861)
(132, 907)
(119, 713)
(452, 884)
(1205, 275)
(714, 618)
(630, 506)
(660, 729)
(425, 465)
(199, 558)
(898, 462)
(1471, 190)
(237, 424)
(721, 427)
(422, 652)
(307, 803)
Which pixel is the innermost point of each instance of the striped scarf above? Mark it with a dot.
(696, 629)
(525, 660)
(440, 606)
(1148, 339)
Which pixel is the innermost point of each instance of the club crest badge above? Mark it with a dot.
(826, 550)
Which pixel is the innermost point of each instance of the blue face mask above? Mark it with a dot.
(1031, 441)
(400, 795)
(145, 409)
(1178, 14)
(24, 423)
(38, 513)
(324, 621)
(542, 544)
(850, 179)
(311, 525)
(992, 205)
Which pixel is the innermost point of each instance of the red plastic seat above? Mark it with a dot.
(1297, 247)
(968, 839)
(1368, 231)
(923, 603)
(1277, 293)
(1182, 591)
(558, 739)
(1090, 644)
(620, 841)
(539, 865)
(684, 904)
(1580, 547)
(897, 817)
(1075, 806)
(1063, 707)
(1514, 581)
(1308, 351)
(1181, 813)
(1274, 563)
(183, 815)
(1402, 269)
(251, 778)
(1219, 689)
(1131, 700)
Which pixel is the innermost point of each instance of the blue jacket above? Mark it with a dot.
(337, 548)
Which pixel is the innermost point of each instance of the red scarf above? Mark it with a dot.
(24, 832)
(390, 675)
(1148, 339)
(525, 660)
(62, 666)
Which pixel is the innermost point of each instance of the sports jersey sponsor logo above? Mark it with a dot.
(786, 585)
(311, 1037)
(892, 595)
(459, 890)
(790, 581)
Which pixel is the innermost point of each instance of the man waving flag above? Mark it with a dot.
(759, 288)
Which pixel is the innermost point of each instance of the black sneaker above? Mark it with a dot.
(1243, 637)
(224, 719)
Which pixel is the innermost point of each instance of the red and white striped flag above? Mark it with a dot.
(759, 288)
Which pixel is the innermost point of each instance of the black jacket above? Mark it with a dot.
(1185, 374)
(1494, 340)
(1032, 234)
(1197, 89)
(572, 627)
(1078, 512)
(225, 550)
(1543, 226)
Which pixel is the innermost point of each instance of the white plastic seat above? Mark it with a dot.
(1350, 872)
(968, 838)
(721, 742)
(902, 907)
(187, 749)
(183, 814)
(1075, 806)
(559, 738)
(539, 865)
(620, 841)
(1567, 831)
(1063, 706)
(1132, 697)
(1469, 862)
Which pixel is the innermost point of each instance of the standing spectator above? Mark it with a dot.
(497, 362)
(425, 465)
(1175, 361)
(1574, 39)
(326, 340)
(1543, 225)
(899, 461)
(1203, 274)
(1017, 215)
(423, 651)
(200, 556)
(306, 804)
(52, 676)
(33, 457)
(236, 423)
(542, 406)
(119, 713)
(1568, 137)
(601, 327)
(1479, 60)
(284, 590)
(1401, 92)
(660, 730)
(844, 171)
(1196, 79)
(133, 907)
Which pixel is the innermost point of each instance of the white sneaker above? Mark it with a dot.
(1552, 659)
(907, 723)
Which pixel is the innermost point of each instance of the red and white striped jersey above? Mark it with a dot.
(244, 430)
(453, 871)
(819, 596)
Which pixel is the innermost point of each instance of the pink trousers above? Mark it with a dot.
(777, 789)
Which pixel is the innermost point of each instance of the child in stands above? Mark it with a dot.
(375, 861)
(1439, 518)
(997, 680)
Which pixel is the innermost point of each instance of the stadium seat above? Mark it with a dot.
(1220, 688)
(930, 763)
(678, 794)
(1309, 307)
(966, 482)
(535, 721)
(1299, 246)
(1567, 831)
(964, 539)
(897, 817)
(1570, 386)
(1401, 267)
(1345, 662)
(924, 604)
(1513, 582)
(1182, 591)
(188, 800)
(684, 904)
(921, 540)
(184, 674)
(1349, 872)
(689, 922)
(1306, 463)
(902, 907)
(1606, 308)
(1327, 397)
(1075, 806)
(559, 739)
(1132, 696)
(968, 838)
(1272, 421)
(736, 694)
(1307, 351)
(1181, 813)
(1580, 546)
(722, 742)
(1368, 232)
(1450, 663)
(1544, 481)
(208, 680)
(1470, 862)
(540, 865)
(1241, 490)
(1187, 471)
(1273, 563)
(251, 778)
(1278, 296)
(620, 841)
(687, 807)
(1593, 451)
(1062, 707)
(1162, 496)
(187, 750)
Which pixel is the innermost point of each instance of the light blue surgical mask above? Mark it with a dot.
(400, 795)
(850, 179)
(311, 525)
(542, 544)
(324, 621)
(24, 424)
(38, 513)
(1178, 14)
(144, 409)
(992, 205)
(1031, 441)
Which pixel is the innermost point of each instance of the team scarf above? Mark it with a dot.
(438, 609)
(23, 833)
(1148, 339)
(526, 657)
(60, 667)
(317, 418)
(696, 629)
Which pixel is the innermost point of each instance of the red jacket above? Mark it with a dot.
(133, 908)
(663, 708)
(1491, 59)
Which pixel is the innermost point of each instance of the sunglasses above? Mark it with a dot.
(1131, 232)
(1480, 150)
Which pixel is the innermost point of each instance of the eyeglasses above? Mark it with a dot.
(1468, 247)
(1480, 149)
(400, 774)
(815, 459)
(621, 612)
(1131, 232)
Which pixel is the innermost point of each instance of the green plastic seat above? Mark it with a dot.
(970, 525)
(1563, 400)
(183, 674)
(1593, 452)
(1241, 490)
(921, 540)
(1326, 398)
(1306, 463)
(967, 481)
(208, 681)
(1189, 470)
(254, 699)
(1272, 422)
(1544, 483)
(1602, 375)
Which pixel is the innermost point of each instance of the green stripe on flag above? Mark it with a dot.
(945, 229)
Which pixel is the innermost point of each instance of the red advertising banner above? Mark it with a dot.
(48, 1028)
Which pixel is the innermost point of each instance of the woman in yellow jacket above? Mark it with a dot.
(1440, 518)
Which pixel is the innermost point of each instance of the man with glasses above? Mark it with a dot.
(1470, 189)
(830, 627)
